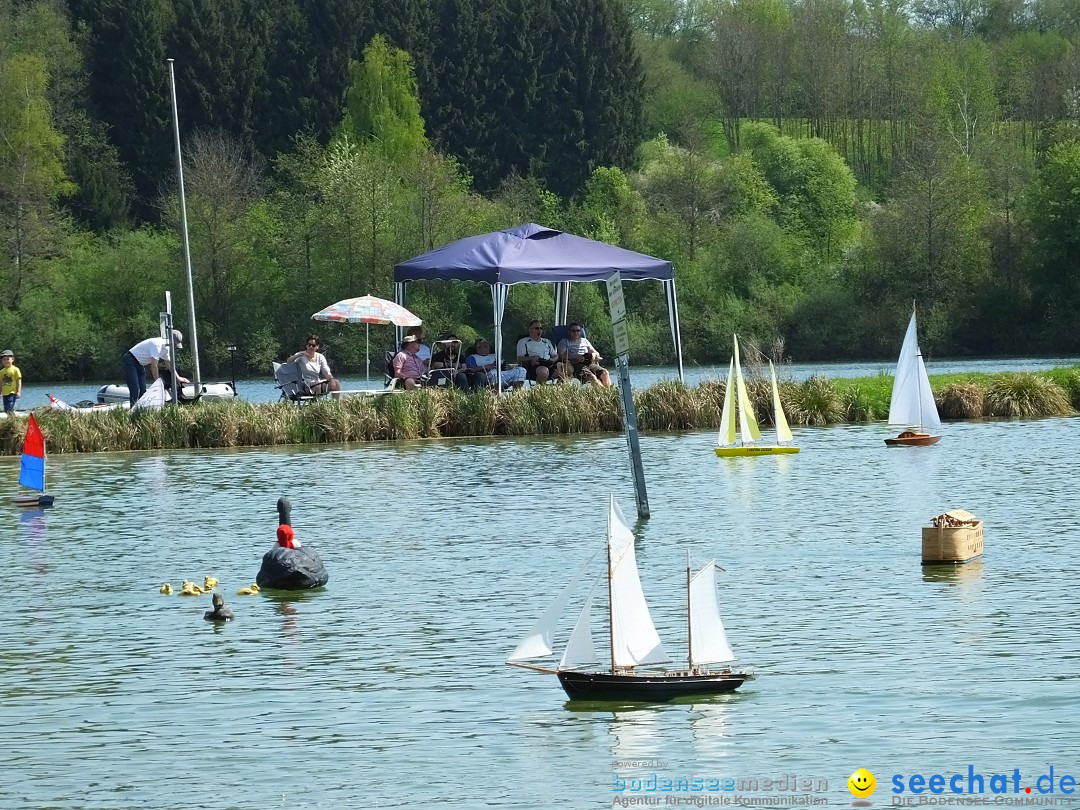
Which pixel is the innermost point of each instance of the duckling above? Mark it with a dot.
(190, 589)
(248, 591)
(209, 583)
(166, 589)
(220, 613)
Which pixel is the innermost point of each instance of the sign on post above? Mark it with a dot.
(622, 339)
(616, 301)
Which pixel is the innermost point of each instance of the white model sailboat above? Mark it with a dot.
(633, 639)
(739, 428)
(912, 405)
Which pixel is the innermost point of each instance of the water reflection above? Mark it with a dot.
(33, 532)
(290, 631)
(635, 734)
(709, 726)
(962, 574)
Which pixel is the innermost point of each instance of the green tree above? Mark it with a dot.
(815, 188)
(693, 193)
(32, 177)
(129, 90)
(1053, 210)
(220, 52)
(927, 244)
(381, 102)
(224, 188)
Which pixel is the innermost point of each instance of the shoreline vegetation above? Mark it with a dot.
(541, 410)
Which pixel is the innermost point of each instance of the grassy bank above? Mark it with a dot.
(543, 410)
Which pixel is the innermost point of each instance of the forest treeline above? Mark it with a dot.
(811, 168)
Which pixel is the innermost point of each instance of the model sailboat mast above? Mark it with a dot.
(610, 592)
(912, 403)
(737, 411)
(632, 638)
(689, 617)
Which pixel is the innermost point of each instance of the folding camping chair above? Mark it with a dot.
(291, 383)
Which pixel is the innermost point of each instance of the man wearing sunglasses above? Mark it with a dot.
(536, 354)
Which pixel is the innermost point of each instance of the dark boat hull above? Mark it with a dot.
(910, 438)
(652, 687)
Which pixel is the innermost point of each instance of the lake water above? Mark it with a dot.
(388, 688)
(262, 389)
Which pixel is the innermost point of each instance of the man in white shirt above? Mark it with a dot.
(149, 352)
(537, 354)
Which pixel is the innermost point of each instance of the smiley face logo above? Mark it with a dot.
(861, 783)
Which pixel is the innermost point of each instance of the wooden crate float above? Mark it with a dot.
(953, 537)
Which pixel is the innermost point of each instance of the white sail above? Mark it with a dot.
(708, 641)
(634, 639)
(537, 644)
(154, 398)
(748, 426)
(783, 431)
(727, 419)
(912, 402)
(579, 649)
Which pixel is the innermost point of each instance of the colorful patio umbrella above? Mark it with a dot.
(367, 309)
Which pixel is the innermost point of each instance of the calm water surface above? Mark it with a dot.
(388, 688)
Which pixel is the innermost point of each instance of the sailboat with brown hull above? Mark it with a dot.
(912, 403)
(632, 637)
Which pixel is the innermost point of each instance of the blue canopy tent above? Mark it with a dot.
(533, 254)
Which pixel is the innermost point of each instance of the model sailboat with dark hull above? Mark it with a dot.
(632, 638)
(32, 468)
(912, 404)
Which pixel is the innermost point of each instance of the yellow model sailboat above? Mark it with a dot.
(739, 431)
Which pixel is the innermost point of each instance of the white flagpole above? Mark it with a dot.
(192, 332)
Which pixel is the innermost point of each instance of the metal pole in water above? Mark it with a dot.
(192, 332)
(617, 305)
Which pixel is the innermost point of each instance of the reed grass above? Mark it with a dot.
(815, 402)
(860, 406)
(1026, 395)
(1069, 380)
(962, 400)
(540, 410)
(668, 405)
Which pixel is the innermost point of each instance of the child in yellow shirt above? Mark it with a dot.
(10, 380)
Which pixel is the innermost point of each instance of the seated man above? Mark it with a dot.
(483, 360)
(408, 367)
(447, 363)
(424, 352)
(537, 355)
(583, 356)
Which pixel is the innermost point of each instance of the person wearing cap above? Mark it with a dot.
(408, 367)
(10, 381)
(424, 352)
(148, 354)
(314, 368)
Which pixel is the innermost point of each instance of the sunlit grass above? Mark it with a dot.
(1026, 395)
(815, 402)
(540, 410)
(962, 400)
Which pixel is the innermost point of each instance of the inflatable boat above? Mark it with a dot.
(211, 392)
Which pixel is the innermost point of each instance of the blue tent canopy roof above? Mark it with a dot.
(530, 254)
